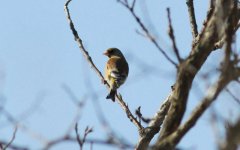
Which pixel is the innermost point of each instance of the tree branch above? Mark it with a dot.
(205, 22)
(154, 126)
(88, 141)
(83, 140)
(233, 96)
(10, 142)
(233, 137)
(192, 18)
(229, 72)
(171, 35)
(146, 31)
(192, 64)
(93, 66)
(224, 79)
(13, 146)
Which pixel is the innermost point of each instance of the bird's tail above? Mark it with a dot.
(111, 95)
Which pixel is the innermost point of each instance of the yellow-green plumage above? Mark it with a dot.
(116, 71)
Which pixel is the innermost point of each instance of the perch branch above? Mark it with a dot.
(93, 66)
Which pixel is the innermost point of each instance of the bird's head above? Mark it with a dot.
(113, 52)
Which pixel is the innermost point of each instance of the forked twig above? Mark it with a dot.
(146, 31)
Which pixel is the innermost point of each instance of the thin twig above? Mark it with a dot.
(171, 35)
(111, 135)
(87, 141)
(24, 128)
(13, 146)
(83, 140)
(79, 41)
(13, 137)
(146, 31)
(93, 66)
(133, 4)
(73, 97)
(78, 137)
(192, 18)
(233, 96)
(140, 116)
(129, 114)
(86, 132)
(205, 22)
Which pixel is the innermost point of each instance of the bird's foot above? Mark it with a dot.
(104, 81)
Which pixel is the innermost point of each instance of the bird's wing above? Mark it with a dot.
(117, 67)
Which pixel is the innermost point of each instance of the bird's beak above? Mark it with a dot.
(105, 53)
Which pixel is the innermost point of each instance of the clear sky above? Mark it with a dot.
(38, 56)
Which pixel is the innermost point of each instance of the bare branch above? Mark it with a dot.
(87, 141)
(229, 72)
(133, 4)
(154, 126)
(192, 18)
(140, 116)
(233, 96)
(192, 64)
(24, 128)
(111, 135)
(124, 3)
(83, 140)
(73, 97)
(171, 35)
(13, 146)
(233, 137)
(206, 21)
(86, 132)
(129, 114)
(147, 32)
(79, 41)
(93, 66)
(10, 142)
(175, 137)
(225, 78)
(80, 143)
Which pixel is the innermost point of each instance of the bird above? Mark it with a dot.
(116, 70)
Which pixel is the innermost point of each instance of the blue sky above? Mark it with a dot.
(38, 55)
